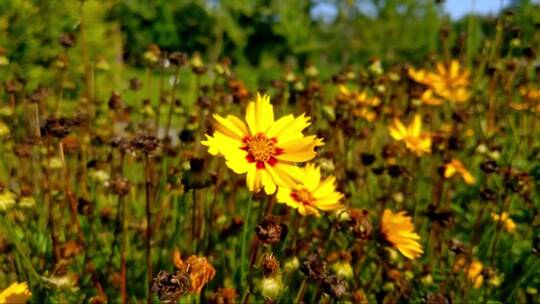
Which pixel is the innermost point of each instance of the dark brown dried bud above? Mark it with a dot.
(377, 170)
(489, 166)
(367, 159)
(121, 143)
(12, 86)
(145, 142)
(335, 286)
(234, 227)
(437, 298)
(22, 150)
(121, 186)
(135, 84)
(529, 53)
(270, 265)
(395, 171)
(488, 195)
(314, 267)
(444, 32)
(115, 101)
(204, 101)
(457, 246)
(67, 40)
(187, 136)
(360, 224)
(57, 127)
(270, 231)
(170, 287)
(85, 206)
(178, 58)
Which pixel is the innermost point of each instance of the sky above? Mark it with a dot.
(459, 8)
(455, 8)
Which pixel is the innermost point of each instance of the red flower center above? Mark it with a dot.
(261, 149)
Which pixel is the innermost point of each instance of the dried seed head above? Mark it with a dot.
(178, 58)
(314, 267)
(67, 40)
(270, 265)
(334, 286)
(85, 206)
(270, 231)
(121, 186)
(115, 101)
(145, 142)
(170, 287)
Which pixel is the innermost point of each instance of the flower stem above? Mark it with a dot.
(243, 253)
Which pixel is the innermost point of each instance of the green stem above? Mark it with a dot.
(523, 278)
(243, 261)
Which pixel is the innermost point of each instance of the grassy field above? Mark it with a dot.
(368, 183)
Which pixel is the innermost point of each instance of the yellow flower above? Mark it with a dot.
(398, 229)
(475, 273)
(456, 166)
(449, 82)
(312, 194)
(15, 293)
(7, 199)
(4, 129)
(362, 102)
(264, 148)
(420, 76)
(415, 140)
(508, 224)
(428, 98)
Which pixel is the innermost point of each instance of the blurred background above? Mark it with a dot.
(254, 35)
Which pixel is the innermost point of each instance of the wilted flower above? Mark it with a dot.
(398, 229)
(311, 195)
(505, 219)
(456, 166)
(16, 293)
(265, 149)
(415, 140)
(199, 270)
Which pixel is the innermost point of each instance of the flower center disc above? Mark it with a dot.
(303, 196)
(261, 149)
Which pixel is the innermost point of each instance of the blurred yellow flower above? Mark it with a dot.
(362, 102)
(4, 129)
(450, 82)
(15, 293)
(508, 224)
(264, 148)
(475, 273)
(7, 199)
(456, 166)
(398, 229)
(311, 194)
(415, 140)
(428, 98)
